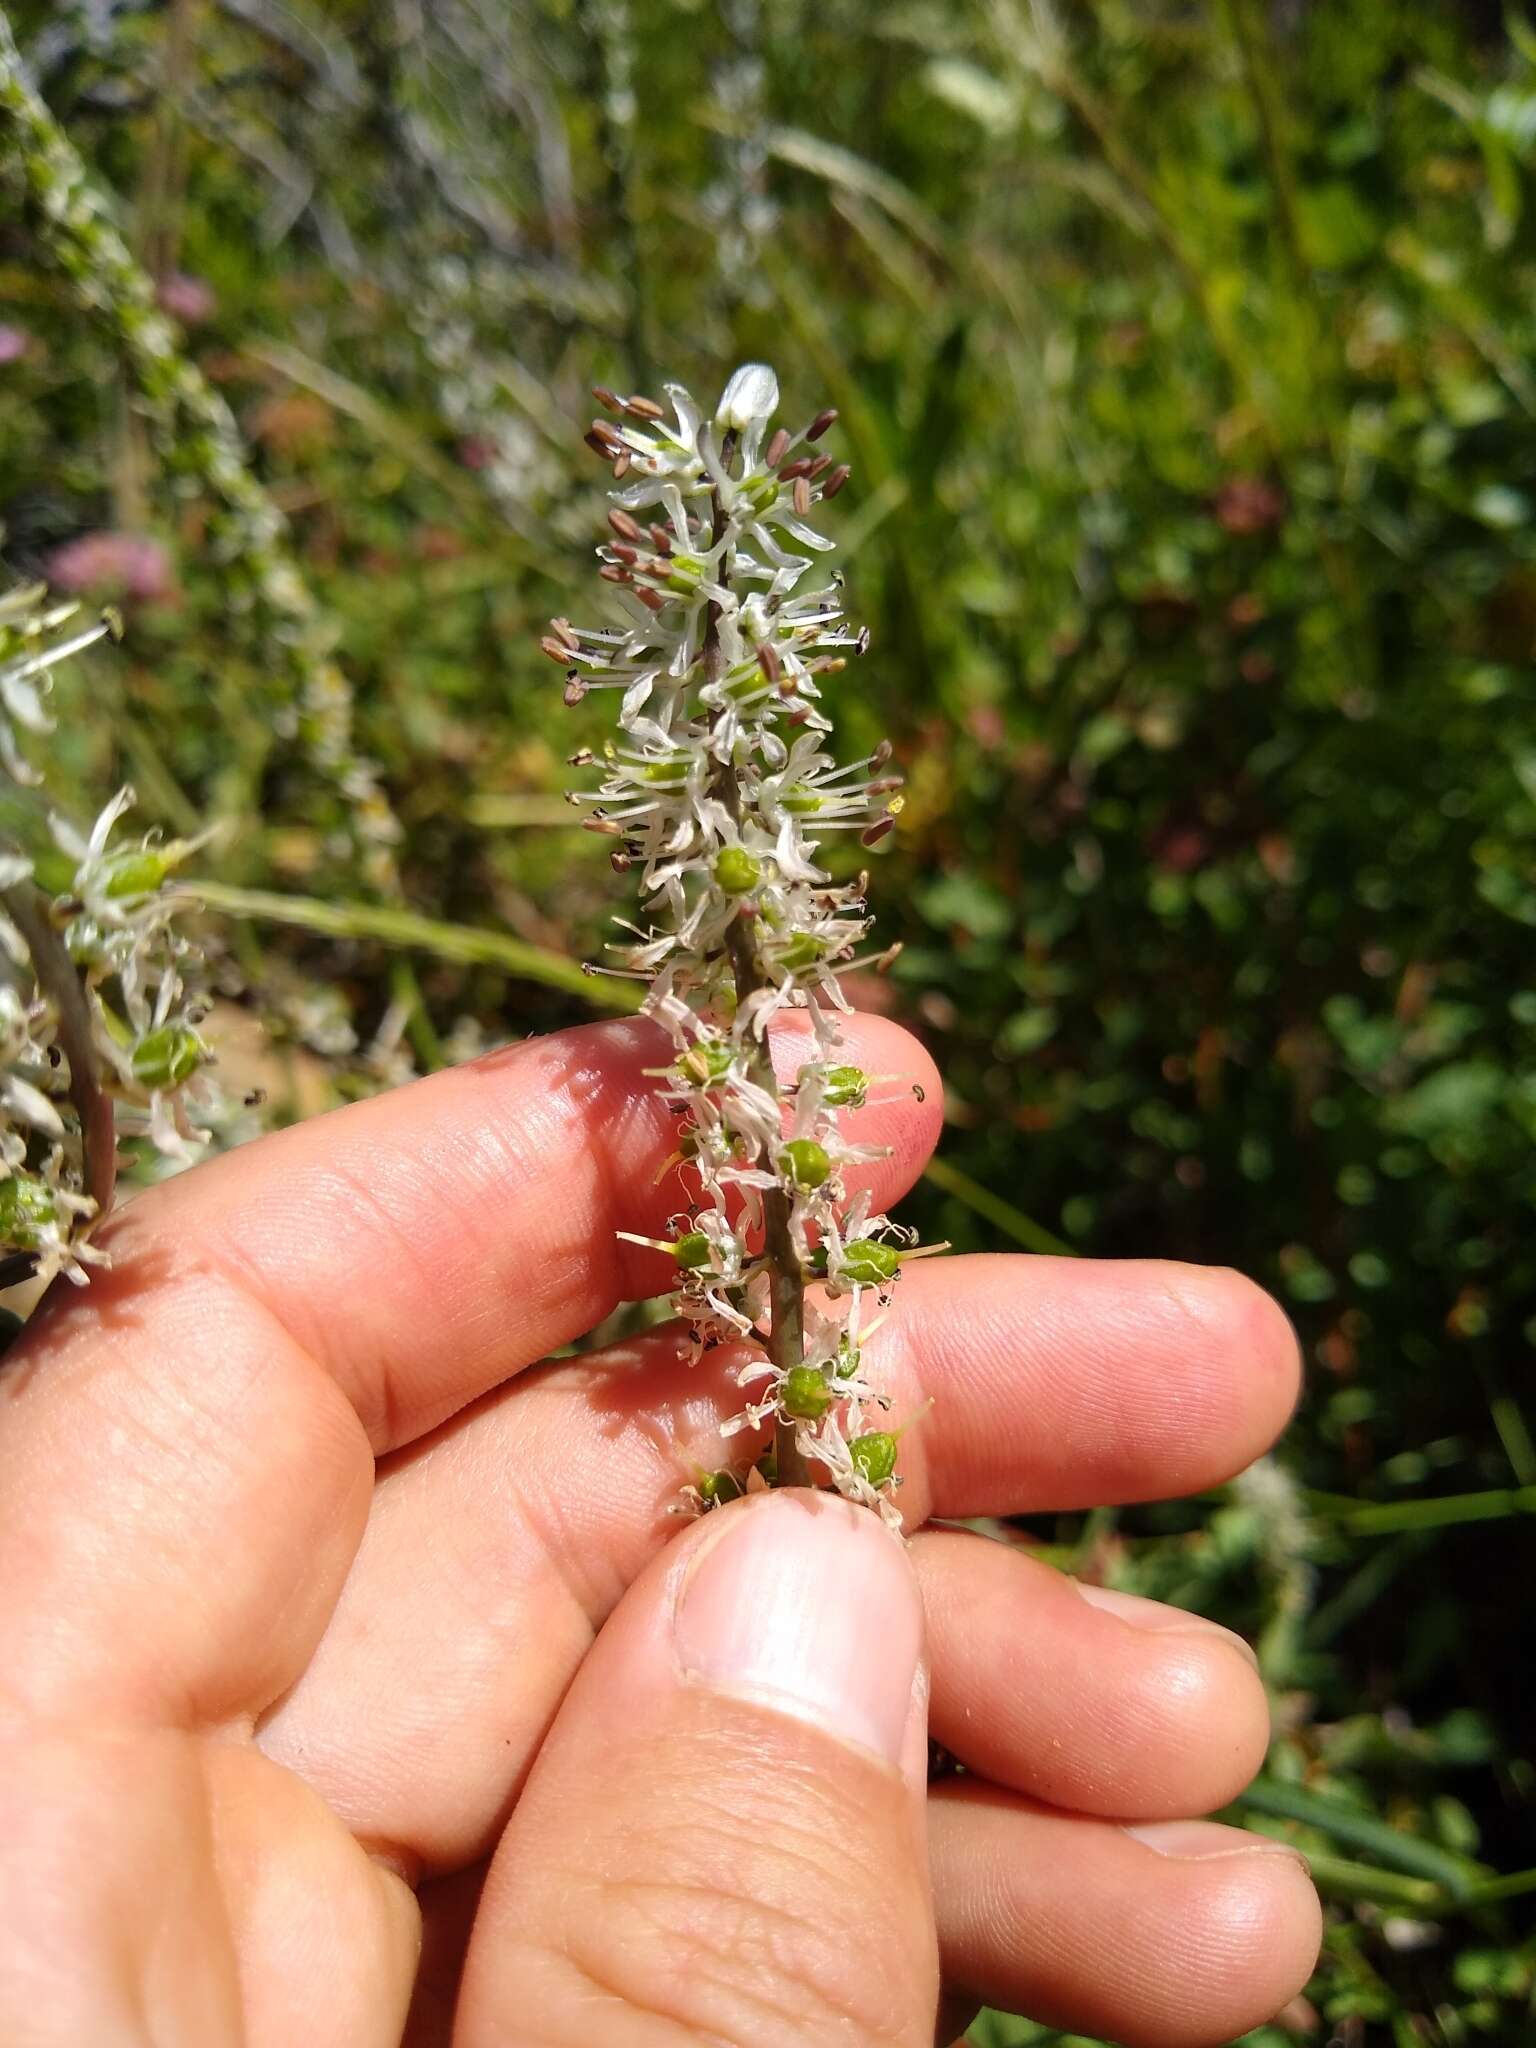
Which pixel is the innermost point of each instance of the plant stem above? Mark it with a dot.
(786, 1341)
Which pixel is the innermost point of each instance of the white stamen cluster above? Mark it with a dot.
(98, 1029)
(117, 919)
(719, 791)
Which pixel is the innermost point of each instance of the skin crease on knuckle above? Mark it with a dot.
(794, 1934)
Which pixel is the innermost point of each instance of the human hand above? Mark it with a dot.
(304, 1556)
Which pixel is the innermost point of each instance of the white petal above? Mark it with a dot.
(751, 396)
(30, 1105)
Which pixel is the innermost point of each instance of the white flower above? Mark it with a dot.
(28, 653)
(121, 885)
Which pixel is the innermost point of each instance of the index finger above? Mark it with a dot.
(187, 1450)
(425, 1245)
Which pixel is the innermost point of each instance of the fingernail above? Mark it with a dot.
(806, 1604)
(1157, 1619)
(1204, 1841)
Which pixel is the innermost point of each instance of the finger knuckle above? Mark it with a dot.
(756, 1939)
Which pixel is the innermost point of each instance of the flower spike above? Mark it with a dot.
(723, 789)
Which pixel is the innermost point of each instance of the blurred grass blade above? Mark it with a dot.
(1392, 1518)
(852, 173)
(1346, 1823)
(1003, 1215)
(465, 943)
(385, 425)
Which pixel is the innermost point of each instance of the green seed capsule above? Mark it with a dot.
(27, 1206)
(693, 1251)
(846, 1087)
(737, 871)
(807, 1162)
(802, 950)
(849, 1358)
(136, 874)
(800, 801)
(707, 1060)
(868, 1263)
(166, 1057)
(806, 1394)
(874, 1456)
(716, 1488)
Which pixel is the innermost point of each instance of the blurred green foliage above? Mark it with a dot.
(1186, 354)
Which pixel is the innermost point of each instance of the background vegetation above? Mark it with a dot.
(1186, 352)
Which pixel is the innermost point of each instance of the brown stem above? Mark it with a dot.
(786, 1341)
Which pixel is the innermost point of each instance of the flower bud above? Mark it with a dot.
(806, 1395)
(874, 1456)
(751, 396)
(737, 871)
(805, 1162)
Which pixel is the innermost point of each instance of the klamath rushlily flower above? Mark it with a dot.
(99, 1017)
(717, 795)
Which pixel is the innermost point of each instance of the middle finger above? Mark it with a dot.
(496, 1547)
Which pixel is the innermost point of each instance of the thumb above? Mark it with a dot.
(722, 1839)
